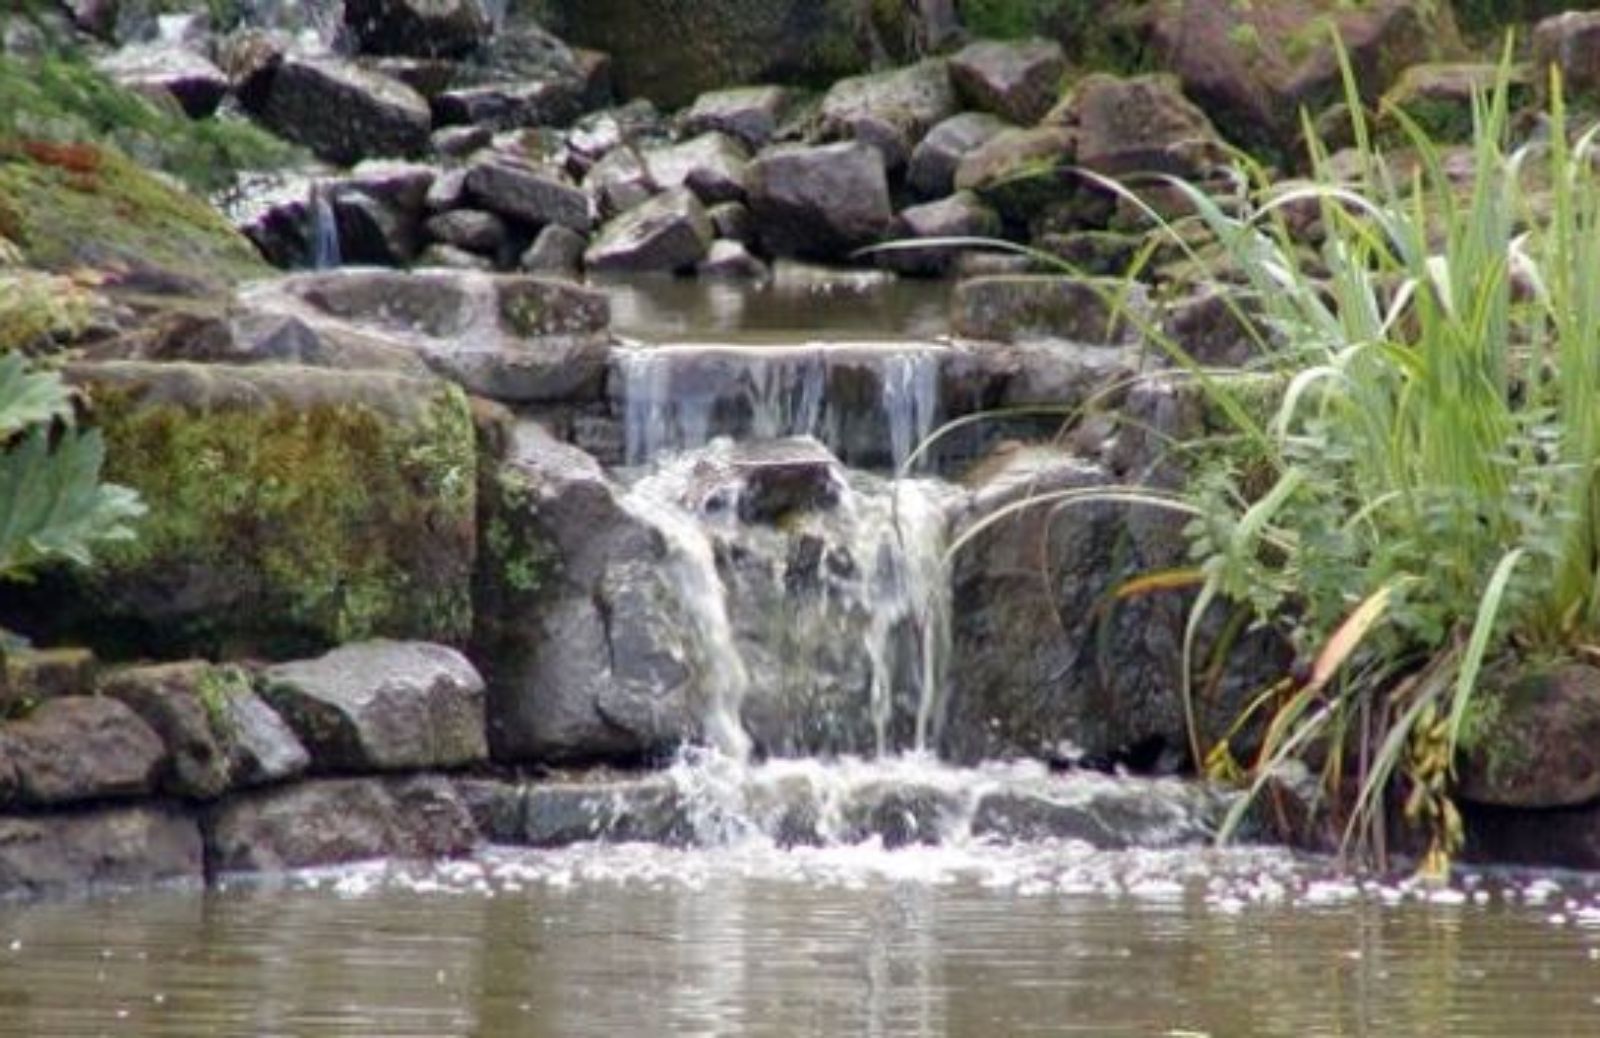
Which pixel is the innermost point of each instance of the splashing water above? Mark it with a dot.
(325, 253)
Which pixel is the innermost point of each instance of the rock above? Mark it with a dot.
(449, 257)
(890, 110)
(1438, 97)
(497, 807)
(1531, 744)
(962, 215)
(732, 220)
(731, 259)
(403, 185)
(162, 69)
(527, 194)
(1033, 306)
(579, 636)
(429, 77)
(713, 165)
(106, 849)
(670, 54)
(1214, 328)
(752, 114)
(1252, 68)
(1140, 125)
(510, 338)
(337, 109)
(819, 202)
(619, 182)
(30, 676)
(457, 142)
(1109, 814)
(635, 811)
(290, 508)
(182, 702)
(932, 172)
(470, 229)
(771, 479)
(382, 706)
(262, 748)
(448, 191)
(557, 250)
(598, 134)
(426, 28)
(335, 821)
(1571, 43)
(373, 232)
(1017, 81)
(509, 105)
(668, 232)
(75, 749)
(1022, 172)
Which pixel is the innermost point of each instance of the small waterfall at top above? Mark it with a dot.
(869, 404)
(315, 24)
(495, 11)
(324, 234)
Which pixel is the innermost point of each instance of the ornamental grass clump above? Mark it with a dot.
(1421, 511)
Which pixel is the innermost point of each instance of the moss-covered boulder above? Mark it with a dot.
(290, 509)
(70, 206)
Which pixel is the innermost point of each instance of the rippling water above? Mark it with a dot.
(973, 941)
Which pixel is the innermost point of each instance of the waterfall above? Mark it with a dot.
(324, 229)
(869, 404)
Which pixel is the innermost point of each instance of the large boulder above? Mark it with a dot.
(531, 195)
(713, 165)
(933, 164)
(669, 232)
(962, 215)
(1021, 172)
(383, 706)
(819, 202)
(511, 338)
(890, 110)
(105, 849)
(160, 69)
(1253, 67)
(1140, 125)
(340, 111)
(582, 642)
(1535, 743)
(671, 52)
(290, 508)
(1571, 43)
(336, 821)
(424, 28)
(75, 749)
(1018, 81)
(752, 114)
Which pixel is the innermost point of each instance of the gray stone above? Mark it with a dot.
(336, 821)
(637, 811)
(373, 232)
(448, 191)
(497, 807)
(1571, 43)
(182, 702)
(338, 110)
(732, 220)
(449, 257)
(618, 182)
(262, 748)
(427, 28)
(1022, 172)
(460, 141)
(470, 229)
(78, 748)
(819, 202)
(752, 114)
(382, 706)
(556, 250)
(189, 78)
(30, 676)
(713, 165)
(1141, 125)
(890, 110)
(508, 106)
(1018, 81)
(962, 215)
(403, 185)
(106, 849)
(1095, 311)
(511, 338)
(1114, 816)
(527, 194)
(932, 173)
(731, 259)
(669, 232)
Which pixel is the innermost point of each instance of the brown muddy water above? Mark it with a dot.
(1049, 939)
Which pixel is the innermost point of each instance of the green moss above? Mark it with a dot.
(335, 520)
(77, 206)
(216, 687)
(64, 100)
(515, 552)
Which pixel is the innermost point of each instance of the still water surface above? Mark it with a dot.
(970, 941)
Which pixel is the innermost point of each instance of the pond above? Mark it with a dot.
(974, 940)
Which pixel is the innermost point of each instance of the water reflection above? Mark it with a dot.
(612, 943)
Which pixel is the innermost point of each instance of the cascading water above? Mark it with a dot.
(324, 236)
(869, 404)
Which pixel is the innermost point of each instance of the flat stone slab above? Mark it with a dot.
(383, 706)
(108, 848)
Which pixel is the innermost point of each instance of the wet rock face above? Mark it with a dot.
(107, 848)
(426, 28)
(383, 706)
(289, 508)
(1536, 743)
(819, 202)
(336, 821)
(667, 233)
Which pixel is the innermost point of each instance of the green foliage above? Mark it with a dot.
(52, 504)
(65, 100)
(1097, 35)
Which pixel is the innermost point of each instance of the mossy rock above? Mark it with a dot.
(1096, 35)
(68, 206)
(290, 509)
